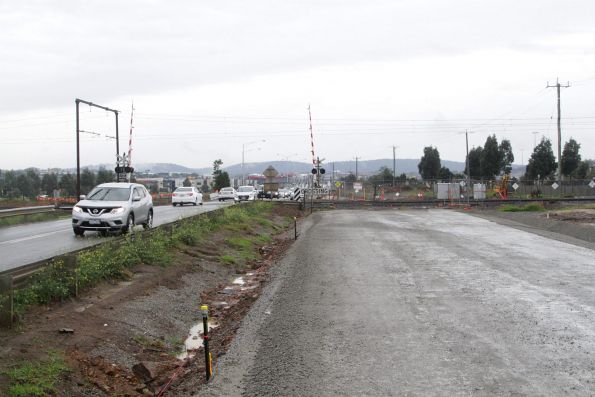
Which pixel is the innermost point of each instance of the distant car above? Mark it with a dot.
(247, 193)
(112, 207)
(186, 195)
(228, 193)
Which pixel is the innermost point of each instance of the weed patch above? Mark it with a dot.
(37, 379)
(112, 261)
(533, 207)
(230, 260)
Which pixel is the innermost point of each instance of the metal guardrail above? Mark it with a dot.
(434, 203)
(18, 278)
(26, 210)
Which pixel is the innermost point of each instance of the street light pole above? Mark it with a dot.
(243, 157)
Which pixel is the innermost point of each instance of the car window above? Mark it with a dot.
(109, 194)
(137, 192)
(245, 189)
(184, 189)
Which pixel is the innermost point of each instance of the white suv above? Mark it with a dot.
(247, 193)
(111, 207)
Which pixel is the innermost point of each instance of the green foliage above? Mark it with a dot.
(542, 163)
(350, 177)
(582, 171)
(507, 156)
(239, 242)
(49, 183)
(112, 260)
(67, 184)
(524, 208)
(445, 174)
(227, 259)
(384, 175)
(87, 181)
(221, 181)
(37, 379)
(105, 176)
(571, 157)
(491, 158)
(429, 164)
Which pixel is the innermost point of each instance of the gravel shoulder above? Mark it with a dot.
(428, 303)
(549, 224)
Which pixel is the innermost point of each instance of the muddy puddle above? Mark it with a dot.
(194, 340)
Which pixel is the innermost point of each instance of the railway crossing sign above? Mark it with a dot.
(515, 186)
(592, 184)
(317, 191)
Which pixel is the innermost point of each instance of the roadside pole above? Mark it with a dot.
(205, 336)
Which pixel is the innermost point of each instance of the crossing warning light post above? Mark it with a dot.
(205, 336)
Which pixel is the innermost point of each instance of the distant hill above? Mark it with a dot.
(365, 167)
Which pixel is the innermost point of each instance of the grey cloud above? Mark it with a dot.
(105, 49)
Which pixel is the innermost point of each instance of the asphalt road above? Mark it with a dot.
(418, 303)
(29, 243)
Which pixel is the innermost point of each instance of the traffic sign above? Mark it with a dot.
(555, 185)
(515, 186)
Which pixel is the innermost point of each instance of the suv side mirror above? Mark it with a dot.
(82, 197)
(136, 198)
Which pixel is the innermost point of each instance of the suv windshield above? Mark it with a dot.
(184, 189)
(109, 194)
(227, 189)
(246, 189)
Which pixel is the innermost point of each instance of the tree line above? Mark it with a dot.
(29, 184)
(493, 159)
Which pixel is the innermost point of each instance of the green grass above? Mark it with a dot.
(147, 342)
(240, 242)
(263, 239)
(113, 260)
(229, 259)
(533, 207)
(37, 379)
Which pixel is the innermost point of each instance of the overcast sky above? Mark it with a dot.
(208, 78)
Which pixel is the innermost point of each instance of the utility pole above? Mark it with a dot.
(558, 86)
(356, 158)
(333, 177)
(467, 162)
(394, 165)
(78, 146)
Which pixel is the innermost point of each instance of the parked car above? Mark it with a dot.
(186, 195)
(112, 207)
(247, 193)
(228, 193)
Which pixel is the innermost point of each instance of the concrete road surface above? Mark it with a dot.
(29, 243)
(418, 303)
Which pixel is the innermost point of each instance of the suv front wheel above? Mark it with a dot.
(149, 223)
(129, 224)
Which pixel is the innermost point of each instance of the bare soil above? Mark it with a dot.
(573, 225)
(126, 335)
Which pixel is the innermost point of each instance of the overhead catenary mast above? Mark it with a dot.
(311, 137)
(317, 170)
(130, 141)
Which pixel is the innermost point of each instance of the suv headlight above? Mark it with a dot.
(117, 211)
(77, 209)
